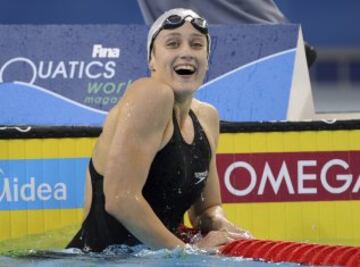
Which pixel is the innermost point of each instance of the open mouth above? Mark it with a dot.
(185, 70)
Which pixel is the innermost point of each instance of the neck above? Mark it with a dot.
(182, 109)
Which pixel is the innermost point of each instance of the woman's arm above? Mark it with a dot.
(144, 116)
(207, 213)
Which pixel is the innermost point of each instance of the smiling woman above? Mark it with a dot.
(179, 58)
(155, 158)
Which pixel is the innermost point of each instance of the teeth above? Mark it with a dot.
(185, 67)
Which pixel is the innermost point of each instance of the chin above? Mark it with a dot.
(185, 90)
(187, 86)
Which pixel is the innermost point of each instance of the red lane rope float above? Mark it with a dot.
(296, 252)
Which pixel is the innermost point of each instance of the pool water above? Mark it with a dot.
(129, 257)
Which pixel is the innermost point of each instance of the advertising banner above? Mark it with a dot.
(278, 180)
(291, 184)
(42, 184)
(74, 74)
(295, 176)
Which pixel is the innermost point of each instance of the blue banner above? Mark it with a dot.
(74, 74)
(42, 183)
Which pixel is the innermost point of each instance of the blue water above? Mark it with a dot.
(129, 257)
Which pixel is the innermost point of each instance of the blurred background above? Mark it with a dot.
(331, 26)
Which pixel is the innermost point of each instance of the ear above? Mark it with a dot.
(151, 65)
(151, 61)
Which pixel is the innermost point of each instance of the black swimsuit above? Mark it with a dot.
(176, 179)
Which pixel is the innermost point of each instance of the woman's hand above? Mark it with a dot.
(226, 225)
(217, 238)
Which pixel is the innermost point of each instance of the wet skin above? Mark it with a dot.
(141, 124)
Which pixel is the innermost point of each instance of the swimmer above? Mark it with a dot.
(155, 158)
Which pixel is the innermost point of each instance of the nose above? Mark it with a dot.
(186, 57)
(186, 52)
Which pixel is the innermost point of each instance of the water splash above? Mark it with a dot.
(126, 256)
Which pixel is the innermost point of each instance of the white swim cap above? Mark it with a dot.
(175, 18)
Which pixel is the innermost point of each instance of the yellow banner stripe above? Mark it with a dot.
(229, 143)
(15, 224)
(331, 222)
(46, 148)
(302, 141)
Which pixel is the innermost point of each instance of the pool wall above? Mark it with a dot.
(297, 181)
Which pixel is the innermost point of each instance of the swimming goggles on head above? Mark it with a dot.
(176, 21)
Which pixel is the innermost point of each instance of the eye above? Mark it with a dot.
(172, 44)
(198, 45)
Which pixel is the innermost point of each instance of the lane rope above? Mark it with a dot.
(294, 252)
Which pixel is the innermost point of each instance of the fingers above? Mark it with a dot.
(214, 239)
(231, 227)
(218, 238)
(236, 236)
(242, 234)
(238, 233)
(223, 237)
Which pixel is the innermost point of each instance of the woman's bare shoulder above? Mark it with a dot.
(150, 86)
(209, 119)
(205, 111)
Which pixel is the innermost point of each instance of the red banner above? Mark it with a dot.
(299, 176)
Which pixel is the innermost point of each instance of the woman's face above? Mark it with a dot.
(179, 58)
